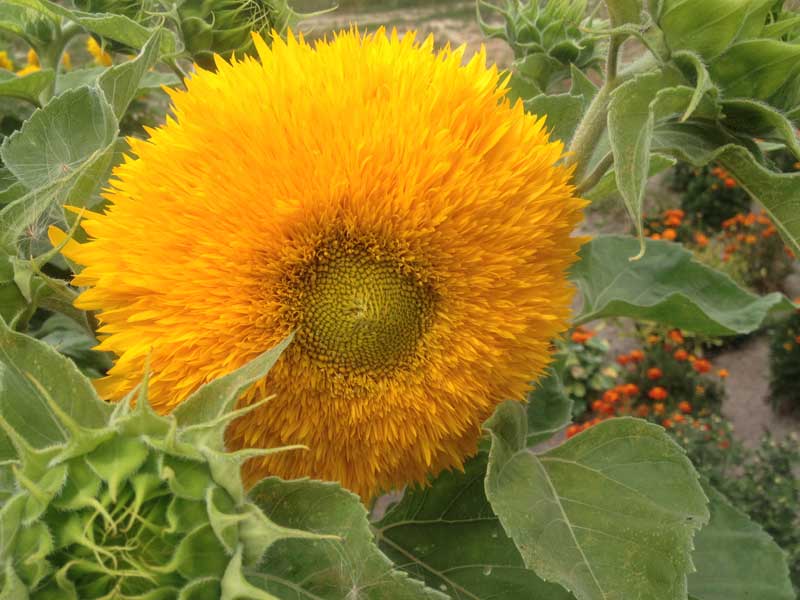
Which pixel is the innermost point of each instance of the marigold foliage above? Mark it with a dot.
(383, 200)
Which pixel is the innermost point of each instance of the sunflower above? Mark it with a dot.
(384, 201)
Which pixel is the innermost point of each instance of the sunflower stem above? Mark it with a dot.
(594, 122)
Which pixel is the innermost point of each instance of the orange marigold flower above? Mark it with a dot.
(723, 373)
(676, 336)
(611, 396)
(701, 239)
(636, 355)
(672, 222)
(623, 359)
(789, 252)
(667, 423)
(669, 234)
(573, 430)
(630, 389)
(769, 232)
(597, 405)
(681, 354)
(764, 220)
(750, 219)
(581, 335)
(654, 373)
(699, 390)
(684, 406)
(658, 393)
(797, 339)
(729, 182)
(701, 365)
(655, 236)
(653, 339)
(642, 410)
(658, 408)
(750, 239)
(678, 418)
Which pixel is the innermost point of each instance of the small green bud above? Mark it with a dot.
(223, 26)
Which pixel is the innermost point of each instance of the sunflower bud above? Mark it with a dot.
(223, 26)
(140, 508)
(545, 37)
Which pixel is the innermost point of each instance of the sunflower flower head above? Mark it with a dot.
(384, 201)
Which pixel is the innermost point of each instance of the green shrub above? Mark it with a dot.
(784, 365)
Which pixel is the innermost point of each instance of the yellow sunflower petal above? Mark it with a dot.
(384, 201)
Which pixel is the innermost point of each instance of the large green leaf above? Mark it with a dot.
(562, 111)
(59, 138)
(112, 26)
(350, 567)
(707, 27)
(666, 286)
(736, 559)
(756, 68)
(447, 535)
(121, 83)
(608, 514)
(28, 87)
(62, 152)
(549, 408)
(33, 377)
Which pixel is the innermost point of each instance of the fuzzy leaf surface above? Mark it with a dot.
(549, 408)
(666, 286)
(448, 536)
(27, 87)
(350, 567)
(25, 406)
(736, 559)
(609, 514)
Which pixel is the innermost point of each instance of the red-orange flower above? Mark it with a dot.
(681, 354)
(667, 423)
(669, 234)
(658, 393)
(684, 406)
(701, 239)
(642, 410)
(654, 373)
(723, 373)
(658, 408)
(611, 396)
(572, 430)
(631, 389)
(701, 365)
(729, 182)
(676, 336)
(623, 359)
(581, 335)
(636, 355)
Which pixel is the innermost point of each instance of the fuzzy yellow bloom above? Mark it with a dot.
(384, 201)
(28, 70)
(33, 58)
(66, 61)
(101, 57)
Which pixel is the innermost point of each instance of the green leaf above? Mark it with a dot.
(76, 341)
(32, 375)
(758, 119)
(122, 82)
(28, 87)
(631, 120)
(63, 151)
(707, 27)
(351, 566)
(703, 85)
(562, 111)
(756, 68)
(607, 186)
(549, 408)
(608, 514)
(666, 286)
(151, 81)
(13, 305)
(448, 536)
(57, 139)
(624, 11)
(736, 559)
(112, 26)
(778, 193)
(213, 400)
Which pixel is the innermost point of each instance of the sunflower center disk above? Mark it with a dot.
(364, 311)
